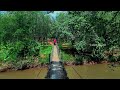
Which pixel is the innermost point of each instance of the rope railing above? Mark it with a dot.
(51, 55)
(59, 52)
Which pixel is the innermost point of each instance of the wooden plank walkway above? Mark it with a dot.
(55, 56)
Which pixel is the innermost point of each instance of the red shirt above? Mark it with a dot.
(55, 41)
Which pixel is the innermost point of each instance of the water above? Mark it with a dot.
(99, 71)
(34, 73)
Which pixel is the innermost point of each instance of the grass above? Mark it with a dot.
(6, 56)
(44, 53)
(45, 49)
(29, 61)
(66, 57)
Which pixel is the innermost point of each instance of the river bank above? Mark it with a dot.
(21, 65)
(4, 67)
(96, 71)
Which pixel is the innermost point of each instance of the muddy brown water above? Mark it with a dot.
(33, 73)
(98, 71)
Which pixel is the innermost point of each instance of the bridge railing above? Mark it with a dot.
(59, 52)
(51, 55)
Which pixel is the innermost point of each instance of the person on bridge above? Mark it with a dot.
(55, 41)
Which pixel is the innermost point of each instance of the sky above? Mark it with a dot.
(52, 14)
(2, 11)
(55, 13)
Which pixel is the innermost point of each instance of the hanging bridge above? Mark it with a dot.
(56, 68)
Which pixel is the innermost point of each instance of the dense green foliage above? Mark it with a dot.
(23, 34)
(90, 32)
(45, 51)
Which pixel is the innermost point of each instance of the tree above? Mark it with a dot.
(90, 32)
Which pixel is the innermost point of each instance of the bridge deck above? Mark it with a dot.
(55, 56)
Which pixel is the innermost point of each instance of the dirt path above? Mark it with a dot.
(55, 54)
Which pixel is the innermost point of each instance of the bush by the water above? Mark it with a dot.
(66, 57)
(21, 37)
